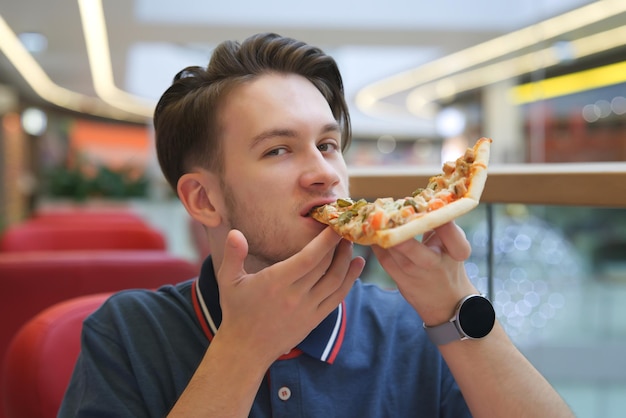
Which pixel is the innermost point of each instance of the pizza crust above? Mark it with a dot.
(431, 220)
(479, 167)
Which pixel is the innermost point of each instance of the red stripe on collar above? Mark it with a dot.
(199, 313)
(203, 319)
(340, 336)
(295, 352)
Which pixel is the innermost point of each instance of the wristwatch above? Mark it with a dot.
(474, 318)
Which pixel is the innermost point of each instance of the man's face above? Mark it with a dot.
(282, 154)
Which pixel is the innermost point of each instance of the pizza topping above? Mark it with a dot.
(342, 203)
(356, 219)
(365, 218)
(460, 187)
(360, 217)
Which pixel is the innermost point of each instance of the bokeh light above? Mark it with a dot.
(534, 265)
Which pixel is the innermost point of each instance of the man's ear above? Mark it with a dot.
(195, 191)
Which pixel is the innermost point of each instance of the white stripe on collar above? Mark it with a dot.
(333, 338)
(205, 310)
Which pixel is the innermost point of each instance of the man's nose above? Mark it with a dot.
(319, 172)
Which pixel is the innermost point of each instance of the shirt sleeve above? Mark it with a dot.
(138, 353)
(453, 403)
(102, 384)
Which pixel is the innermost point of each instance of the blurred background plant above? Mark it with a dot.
(83, 179)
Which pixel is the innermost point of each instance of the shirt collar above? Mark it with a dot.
(322, 343)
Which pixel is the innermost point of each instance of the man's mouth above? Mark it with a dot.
(311, 208)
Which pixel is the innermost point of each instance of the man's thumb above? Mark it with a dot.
(235, 253)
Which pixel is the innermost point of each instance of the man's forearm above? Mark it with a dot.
(497, 380)
(230, 375)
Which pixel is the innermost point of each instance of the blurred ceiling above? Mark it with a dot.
(114, 58)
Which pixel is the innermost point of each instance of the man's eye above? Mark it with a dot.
(276, 151)
(327, 146)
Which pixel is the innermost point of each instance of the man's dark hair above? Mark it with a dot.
(185, 118)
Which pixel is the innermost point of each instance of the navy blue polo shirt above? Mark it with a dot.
(369, 358)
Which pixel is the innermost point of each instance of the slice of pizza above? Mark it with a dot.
(387, 221)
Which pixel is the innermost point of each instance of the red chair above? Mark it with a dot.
(35, 236)
(125, 212)
(33, 281)
(41, 358)
(87, 218)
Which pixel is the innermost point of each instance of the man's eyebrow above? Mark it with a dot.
(331, 127)
(291, 133)
(272, 133)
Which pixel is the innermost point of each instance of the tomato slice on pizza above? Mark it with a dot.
(387, 221)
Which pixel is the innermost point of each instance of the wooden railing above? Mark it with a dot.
(572, 184)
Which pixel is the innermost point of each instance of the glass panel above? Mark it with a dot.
(559, 286)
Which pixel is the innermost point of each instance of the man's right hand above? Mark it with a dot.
(271, 311)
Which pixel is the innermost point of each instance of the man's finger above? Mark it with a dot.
(454, 242)
(338, 269)
(314, 259)
(235, 253)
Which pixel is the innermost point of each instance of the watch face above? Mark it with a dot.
(476, 316)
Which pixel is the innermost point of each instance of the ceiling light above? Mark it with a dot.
(369, 99)
(41, 84)
(523, 64)
(96, 37)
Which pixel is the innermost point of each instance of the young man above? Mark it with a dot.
(277, 323)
